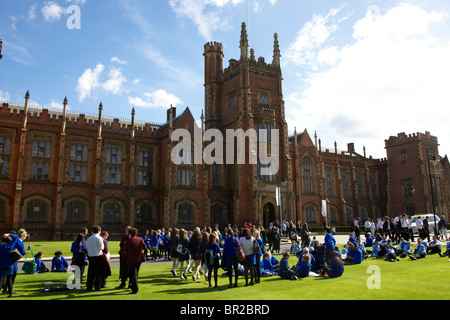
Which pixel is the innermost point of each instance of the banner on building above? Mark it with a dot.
(324, 208)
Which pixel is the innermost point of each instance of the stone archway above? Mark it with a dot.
(269, 214)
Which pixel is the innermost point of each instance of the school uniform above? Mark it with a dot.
(303, 269)
(58, 264)
(40, 266)
(6, 263)
(267, 265)
(285, 271)
(336, 269)
(229, 252)
(134, 248)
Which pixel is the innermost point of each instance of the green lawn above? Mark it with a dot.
(403, 280)
(48, 248)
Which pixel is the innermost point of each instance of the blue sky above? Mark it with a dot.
(354, 71)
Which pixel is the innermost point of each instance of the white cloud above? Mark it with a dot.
(52, 11)
(311, 37)
(89, 81)
(158, 99)
(117, 60)
(393, 78)
(115, 81)
(32, 12)
(93, 79)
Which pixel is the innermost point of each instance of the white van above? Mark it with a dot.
(431, 219)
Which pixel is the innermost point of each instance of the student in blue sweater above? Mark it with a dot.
(267, 263)
(447, 250)
(8, 243)
(40, 266)
(304, 267)
(59, 263)
(285, 272)
(369, 240)
(420, 251)
(336, 268)
(354, 255)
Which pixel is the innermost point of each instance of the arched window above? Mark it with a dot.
(185, 212)
(36, 211)
(307, 175)
(219, 213)
(310, 214)
(76, 211)
(111, 211)
(145, 211)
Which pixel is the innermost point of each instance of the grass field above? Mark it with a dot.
(424, 279)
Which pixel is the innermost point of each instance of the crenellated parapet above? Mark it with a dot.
(403, 138)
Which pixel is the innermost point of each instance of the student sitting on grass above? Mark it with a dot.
(405, 249)
(434, 246)
(59, 263)
(369, 240)
(267, 263)
(354, 256)
(304, 267)
(306, 252)
(40, 266)
(285, 272)
(420, 252)
(447, 251)
(336, 268)
(375, 249)
(391, 255)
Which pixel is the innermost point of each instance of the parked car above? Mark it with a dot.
(431, 220)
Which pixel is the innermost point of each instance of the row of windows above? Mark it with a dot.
(78, 164)
(308, 180)
(145, 211)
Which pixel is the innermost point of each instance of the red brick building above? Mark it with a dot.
(60, 171)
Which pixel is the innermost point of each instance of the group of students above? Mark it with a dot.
(12, 248)
(382, 246)
(245, 253)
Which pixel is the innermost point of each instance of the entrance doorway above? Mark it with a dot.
(268, 214)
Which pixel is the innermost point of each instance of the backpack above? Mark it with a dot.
(209, 257)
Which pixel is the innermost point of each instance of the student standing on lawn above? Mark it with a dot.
(78, 250)
(6, 263)
(229, 260)
(183, 253)
(246, 242)
(212, 255)
(134, 249)
(196, 252)
(330, 244)
(123, 271)
(95, 246)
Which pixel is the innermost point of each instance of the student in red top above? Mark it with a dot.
(134, 250)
